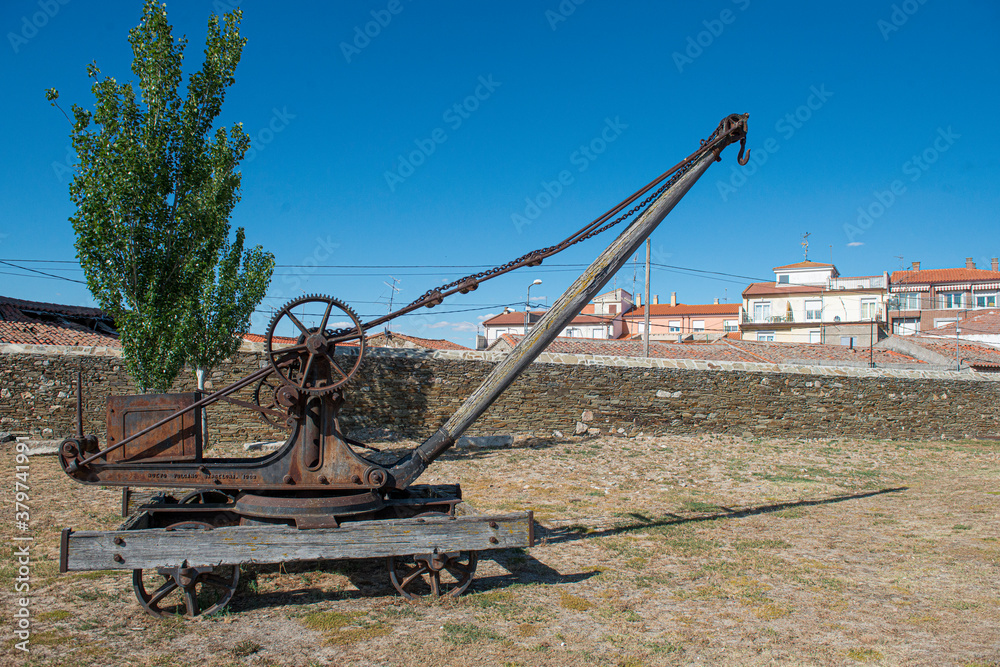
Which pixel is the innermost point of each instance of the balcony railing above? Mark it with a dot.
(862, 282)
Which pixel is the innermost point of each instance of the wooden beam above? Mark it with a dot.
(230, 545)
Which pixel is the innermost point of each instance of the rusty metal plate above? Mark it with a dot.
(177, 440)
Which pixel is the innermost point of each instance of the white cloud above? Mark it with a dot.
(457, 326)
(854, 243)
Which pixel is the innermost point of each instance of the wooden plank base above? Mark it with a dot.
(232, 545)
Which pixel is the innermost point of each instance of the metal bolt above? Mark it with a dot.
(356, 479)
(287, 479)
(493, 524)
(323, 479)
(119, 541)
(118, 558)
(494, 540)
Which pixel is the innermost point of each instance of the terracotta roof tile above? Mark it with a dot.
(378, 340)
(983, 323)
(926, 276)
(40, 323)
(725, 350)
(805, 265)
(970, 352)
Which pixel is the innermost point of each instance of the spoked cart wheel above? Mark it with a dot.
(188, 591)
(432, 575)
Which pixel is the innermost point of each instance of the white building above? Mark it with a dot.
(600, 319)
(810, 302)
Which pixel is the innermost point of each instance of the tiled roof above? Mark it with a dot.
(379, 340)
(38, 323)
(970, 352)
(928, 276)
(727, 349)
(53, 308)
(761, 289)
(666, 310)
(805, 265)
(515, 318)
(797, 353)
(632, 348)
(983, 323)
(261, 338)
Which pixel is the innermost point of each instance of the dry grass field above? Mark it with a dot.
(653, 551)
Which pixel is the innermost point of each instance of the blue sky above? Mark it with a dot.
(878, 108)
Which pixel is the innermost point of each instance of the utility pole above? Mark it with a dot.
(645, 301)
(958, 363)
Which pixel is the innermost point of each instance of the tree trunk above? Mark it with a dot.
(200, 374)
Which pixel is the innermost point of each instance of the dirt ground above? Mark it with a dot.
(653, 551)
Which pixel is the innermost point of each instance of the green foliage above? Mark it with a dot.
(227, 299)
(154, 188)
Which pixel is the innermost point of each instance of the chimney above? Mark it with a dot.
(656, 299)
(673, 298)
(969, 263)
(996, 268)
(915, 267)
(716, 301)
(638, 301)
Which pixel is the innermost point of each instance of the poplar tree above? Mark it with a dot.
(155, 185)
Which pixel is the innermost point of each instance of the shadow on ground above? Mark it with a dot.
(642, 522)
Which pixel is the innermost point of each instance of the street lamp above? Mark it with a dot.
(527, 298)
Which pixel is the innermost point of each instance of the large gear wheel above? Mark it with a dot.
(309, 365)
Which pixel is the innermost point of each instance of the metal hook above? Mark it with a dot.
(740, 158)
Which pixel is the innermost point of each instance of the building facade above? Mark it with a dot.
(924, 299)
(810, 302)
(600, 319)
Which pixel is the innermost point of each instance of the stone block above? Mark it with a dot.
(485, 441)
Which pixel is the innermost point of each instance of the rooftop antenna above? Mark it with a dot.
(831, 253)
(393, 289)
(900, 258)
(805, 245)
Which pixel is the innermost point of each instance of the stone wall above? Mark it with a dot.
(413, 393)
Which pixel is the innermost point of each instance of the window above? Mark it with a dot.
(596, 333)
(730, 325)
(986, 300)
(906, 326)
(765, 336)
(848, 341)
(640, 327)
(868, 311)
(814, 309)
(698, 325)
(674, 326)
(613, 308)
(952, 299)
(573, 332)
(909, 301)
(815, 337)
(762, 311)
(783, 279)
